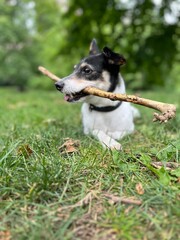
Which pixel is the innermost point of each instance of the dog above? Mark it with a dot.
(103, 118)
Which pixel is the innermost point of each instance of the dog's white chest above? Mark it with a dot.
(118, 122)
(93, 120)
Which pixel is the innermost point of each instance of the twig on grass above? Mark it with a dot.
(167, 166)
(113, 199)
(83, 202)
(168, 111)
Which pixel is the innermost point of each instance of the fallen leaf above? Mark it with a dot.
(69, 146)
(24, 150)
(139, 188)
(5, 235)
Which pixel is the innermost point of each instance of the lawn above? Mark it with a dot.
(90, 193)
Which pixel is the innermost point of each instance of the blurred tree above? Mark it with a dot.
(57, 33)
(17, 48)
(49, 27)
(138, 29)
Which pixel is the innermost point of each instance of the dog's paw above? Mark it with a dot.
(107, 141)
(113, 145)
(117, 147)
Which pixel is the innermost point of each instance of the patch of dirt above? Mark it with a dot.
(86, 227)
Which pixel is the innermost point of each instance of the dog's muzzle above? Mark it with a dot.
(70, 97)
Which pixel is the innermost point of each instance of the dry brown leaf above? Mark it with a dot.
(139, 188)
(25, 150)
(69, 146)
(5, 235)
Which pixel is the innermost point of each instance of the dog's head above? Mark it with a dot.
(99, 69)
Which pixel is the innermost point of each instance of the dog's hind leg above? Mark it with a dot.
(106, 140)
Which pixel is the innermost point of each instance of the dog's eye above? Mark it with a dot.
(87, 70)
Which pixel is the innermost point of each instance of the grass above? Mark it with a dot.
(45, 194)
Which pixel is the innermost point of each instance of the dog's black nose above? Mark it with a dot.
(59, 86)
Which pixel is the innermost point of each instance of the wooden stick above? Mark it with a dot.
(116, 199)
(49, 74)
(168, 111)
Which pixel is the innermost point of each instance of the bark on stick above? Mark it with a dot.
(167, 111)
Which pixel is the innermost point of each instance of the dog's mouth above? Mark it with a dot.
(73, 97)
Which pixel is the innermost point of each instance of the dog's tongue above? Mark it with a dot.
(72, 97)
(67, 98)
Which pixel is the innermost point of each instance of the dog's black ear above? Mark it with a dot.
(113, 58)
(93, 49)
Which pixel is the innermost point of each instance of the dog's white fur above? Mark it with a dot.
(107, 127)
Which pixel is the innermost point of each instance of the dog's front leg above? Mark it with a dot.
(106, 140)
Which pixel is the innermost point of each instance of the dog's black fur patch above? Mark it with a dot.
(97, 63)
(94, 68)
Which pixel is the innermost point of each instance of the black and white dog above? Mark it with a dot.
(107, 120)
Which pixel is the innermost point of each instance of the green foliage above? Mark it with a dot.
(36, 33)
(17, 44)
(138, 30)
